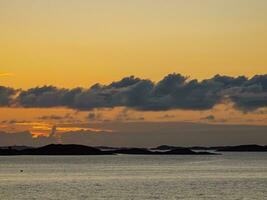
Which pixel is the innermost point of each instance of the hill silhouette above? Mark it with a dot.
(244, 148)
(67, 149)
(73, 149)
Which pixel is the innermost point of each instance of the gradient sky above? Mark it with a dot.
(70, 43)
(74, 43)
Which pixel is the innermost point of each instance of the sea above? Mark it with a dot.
(237, 176)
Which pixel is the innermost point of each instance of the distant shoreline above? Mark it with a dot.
(75, 149)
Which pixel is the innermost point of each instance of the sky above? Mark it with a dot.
(108, 64)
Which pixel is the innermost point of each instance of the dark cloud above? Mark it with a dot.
(14, 121)
(92, 117)
(209, 118)
(250, 95)
(176, 91)
(125, 115)
(52, 117)
(6, 95)
(46, 96)
(212, 118)
(173, 92)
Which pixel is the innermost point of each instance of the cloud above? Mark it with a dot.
(46, 96)
(92, 117)
(147, 134)
(250, 95)
(53, 131)
(6, 74)
(172, 92)
(261, 111)
(125, 115)
(209, 118)
(24, 138)
(167, 116)
(6, 95)
(53, 117)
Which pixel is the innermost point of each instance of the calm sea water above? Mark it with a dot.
(228, 176)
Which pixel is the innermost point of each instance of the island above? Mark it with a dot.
(74, 149)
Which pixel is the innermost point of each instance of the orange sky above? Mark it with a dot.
(72, 43)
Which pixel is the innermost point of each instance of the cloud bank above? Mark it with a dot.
(6, 95)
(174, 91)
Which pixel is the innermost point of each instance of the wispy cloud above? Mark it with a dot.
(6, 74)
(45, 129)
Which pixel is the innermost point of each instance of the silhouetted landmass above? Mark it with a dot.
(56, 149)
(67, 149)
(143, 151)
(186, 151)
(72, 149)
(16, 147)
(244, 148)
(165, 147)
(205, 148)
(106, 148)
(133, 151)
(8, 152)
